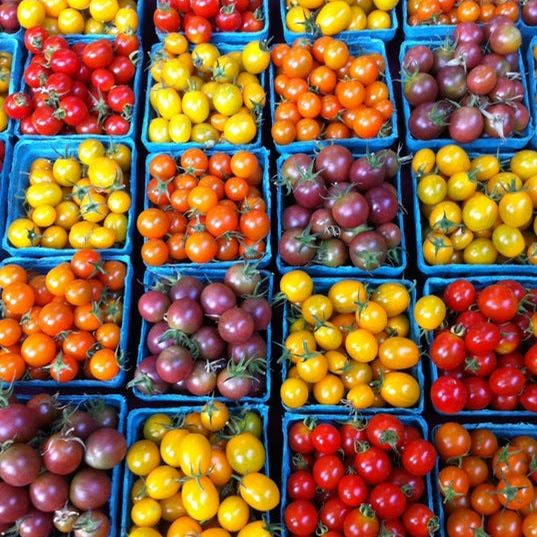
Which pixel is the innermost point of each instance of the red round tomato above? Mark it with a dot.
(459, 295)
(419, 457)
(448, 395)
(301, 518)
(497, 302)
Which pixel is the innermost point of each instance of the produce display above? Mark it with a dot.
(80, 200)
(325, 90)
(359, 478)
(205, 207)
(490, 491)
(206, 336)
(343, 209)
(468, 89)
(206, 95)
(331, 18)
(484, 344)
(476, 209)
(449, 12)
(78, 16)
(348, 343)
(60, 465)
(201, 20)
(205, 468)
(63, 323)
(82, 87)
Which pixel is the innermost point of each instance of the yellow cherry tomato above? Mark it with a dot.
(461, 186)
(245, 453)
(144, 532)
(516, 209)
(378, 20)
(90, 149)
(400, 389)
(184, 527)
(143, 457)
(253, 96)
(67, 214)
(445, 217)
(80, 234)
(479, 212)
(480, 251)
(44, 215)
(423, 162)
(485, 167)
(259, 492)
(104, 172)
(356, 373)
(452, 159)
(163, 482)
(371, 316)
(461, 238)
(240, 129)
(398, 353)
(393, 297)
(260, 528)
(398, 326)
(227, 99)
(233, 513)
(432, 189)
(156, 426)
(93, 208)
(329, 390)
(200, 498)
(333, 17)
(214, 415)
(31, 13)
(296, 18)
(430, 312)
(358, 19)
(172, 508)
(336, 361)
(126, 20)
(437, 248)
(255, 57)
(146, 512)
(118, 224)
(328, 336)
(220, 470)
(195, 454)
(361, 396)
(169, 446)
(361, 345)
(71, 21)
(44, 194)
(294, 393)
(158, 130)
(66, 171)
(503, 182)
(346, 295)
(317, 308)
(175, 43)
(524, 163)
(23, 233)
(312, 369)
(508, 241)
(103, 10)
(54, 237)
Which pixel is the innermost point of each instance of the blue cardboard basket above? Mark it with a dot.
(437, 286)
(135, 422)
(26, 151)
(150, 114)
(484, 143)
(4, 178)
(357, 47)
(425, 30)
(8, 43)
(292, 418)
(532, 83)
(349, 36)
(45, 264)
(151, 277)
(136, 87)
(323, 285)
(120, 404)
(237, 38)
(346, 270)
(457, 269)
(263, 157)
(501, 430)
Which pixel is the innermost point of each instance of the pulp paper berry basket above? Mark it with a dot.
(42, 266)
(8, 43)
(504, 431)
(455, 269)
(322, 285)
(237, 38)
(483, 143)
(263, 157)
(26, 151)
(151, 277)
(339, 419)
(136, 87)
(532, 81)
(349, 36)
(135, 423)
(4, 178)
(436, 286)
(150, 113)
(348, 270)
(360, 46)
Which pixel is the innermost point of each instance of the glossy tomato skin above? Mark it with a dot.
(447, 350)
(301, 518)
(301, 486)
(459, 295)
(419, 457)
(448, 395)
(388, 501)
(497, 302)
(373, 465)
(326, 438)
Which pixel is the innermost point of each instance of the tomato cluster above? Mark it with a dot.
(359, 479)
(63, 324)
(349, 343)
(76, 202)
(5, 77)
(198, 18)
(201, 473)
(487, 482)
(205, 96)
(206, 337)
(57, 466)
(451, 12)
(467, 90)
(79, 16)
(343, 207)
(206, 208)
(477, 210)
(484, 345)
(83, 88)
(333, 17)
(329, 92)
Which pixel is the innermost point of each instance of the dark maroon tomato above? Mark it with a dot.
(297, 247)
(505, 40)
(368, 250)
(235, 325)
(419, 58)
(90, 489)
(351, 210)
(63, 454)
(14, 503)
(447, 350)
(372, 465)
(482, 337)
(352, 490)
(481, 79)
(383, 204)
(469, 54)
(294, 168)
(528, 398)
(260, 310)
(19, 464)
(296, 216)
(35, 523)
(443, 57)
(367, 172)
(326, 438)
(47, 408)
(452, 82)
(521, 117)
(105, 448)
(507, 380)
(448, 395)
(499, 121)
(459, 295)
(310, 192)
(18, 423)
(413, 486)
(468, 32)
(333, 513)
(507, 90)
(49, 492)
(301, 486)
(429, 120)
(202, 380)
(466, 124)
(420, 88)
(529, 13)
(479, 393)
(323, 224)
(497, 62)
(92, 524)
(419, 457)
(391, 233)
(480, 365)
(333, 163)
(388, 501)
(300, 518)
